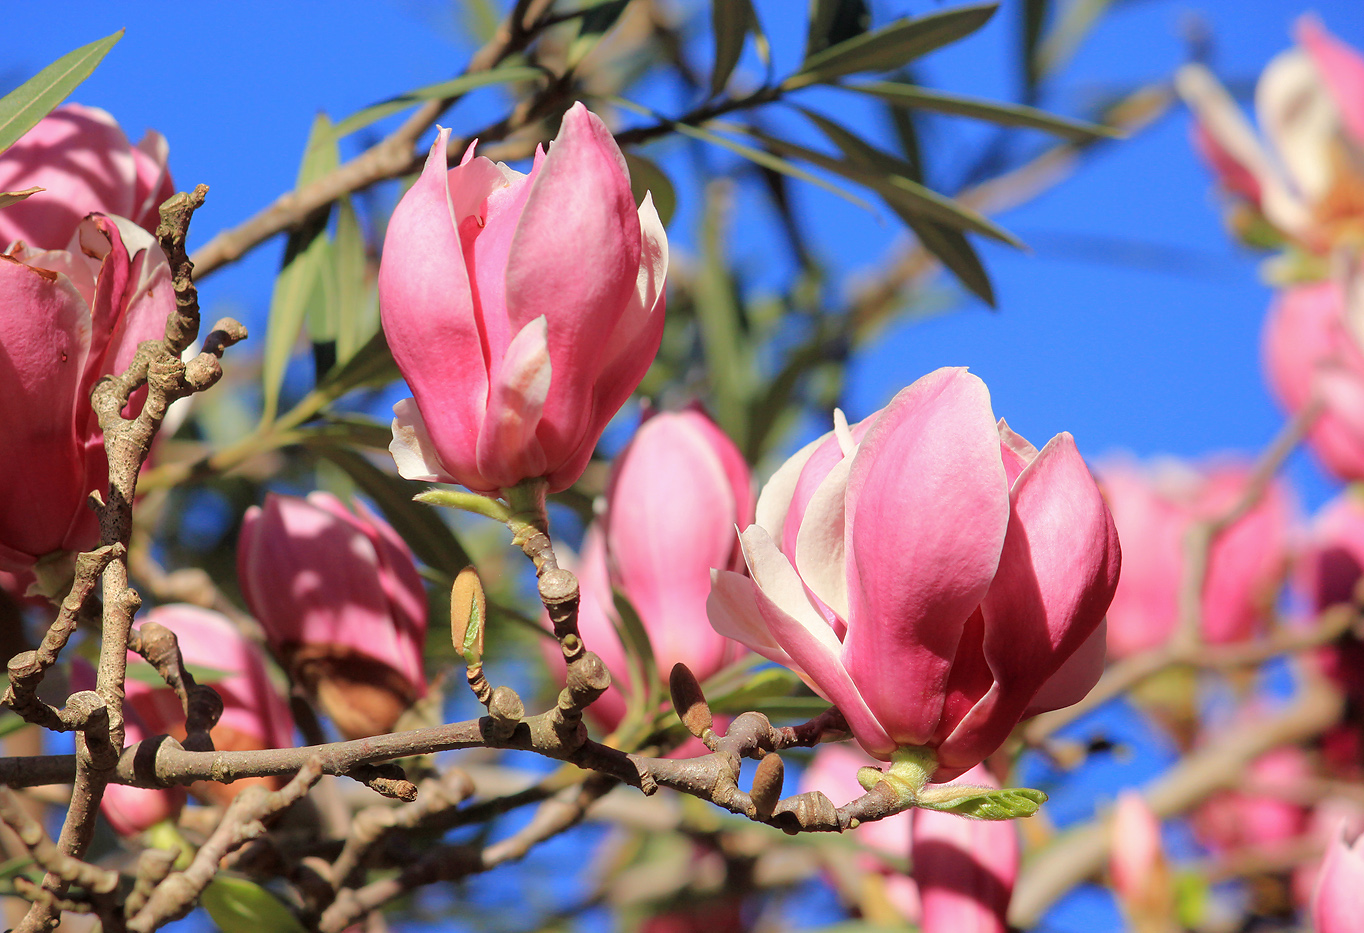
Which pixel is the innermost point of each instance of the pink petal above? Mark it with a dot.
(1338, 899)
(928, 508)
(732, 608)
(508, 450)
(774, 501)
(575, 258)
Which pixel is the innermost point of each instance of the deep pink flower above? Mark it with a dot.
(522, 309)
(1154, 510)
(1311, 350)
(676, 493)
(85, 165)
(342, 604)
(1263, 815)
(834, 772)
(965, 868)
(929, 572)
(71, 317)
(1338, 902)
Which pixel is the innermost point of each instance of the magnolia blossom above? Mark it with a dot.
(85, 165)
(929, 572)
(1154, 510)
(965, 869)
(1312, 351)
(72, 316)
(1136, 863)
(1338, 902)
(522, 309)
(1263, 815)
(342, 604)
(1310, 108)
(834, 773)
(676, 493)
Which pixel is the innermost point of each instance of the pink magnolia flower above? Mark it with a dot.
(834, 772)
(1154, 510)
(1338, 902)
(1264, 815)
(1310, 106)
(1332, 560)
(522, 309)
(929, 572)
(85, 165)
(965, 868)
(1312, 350)
(71, 317)
(342, 604)
(676, 493)
(1136, 861)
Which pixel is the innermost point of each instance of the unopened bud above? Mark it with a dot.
(690, 702)
(767, 782)
(468, 610)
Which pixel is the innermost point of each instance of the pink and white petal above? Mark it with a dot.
(1298, 116)
(1341, 69)
(411, 447)
(820, 557)
(928, 505)
(774, 501)
(508, 450)
(732, 608)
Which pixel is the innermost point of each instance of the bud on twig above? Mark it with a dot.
(690, 703)
(767, 784)
(468, 609)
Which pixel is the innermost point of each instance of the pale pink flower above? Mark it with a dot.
(1136, 860)
(1154, 509)
(1338, 902)
(930, 573)
(85, 165)
(965, 868)
(342, 604)
(522, 309)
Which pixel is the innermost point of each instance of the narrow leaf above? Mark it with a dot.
(639, 651)
(955, 252)
(1034, 21)
(444, 90)
(357, 318)
(719, 317)
(23, 107)
(646, 176)
(892, 47)
(241, 906)
(730, 21)
(833, 22)
(1061, 41)
(1005, 114)
(594, 22)
(14, 197)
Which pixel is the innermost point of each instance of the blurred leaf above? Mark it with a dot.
(354, 325)
(898, 190)
(419, 525)
(1005, 114)
(1034, 22)
(10, 724)
(646, 176)
(23, 107)
(833, 22)
(639, 653)
(146, 674)
(1193, 896)
(14, 197)
(944, 241)
(445, 89)
(241, 906)
(760, 686)
(1072, 25)
(732, 21)
(15, 866)
(300, 292)
(892, 47)
(718, 315)
(594, 22)
(371, 366)
(907, 135)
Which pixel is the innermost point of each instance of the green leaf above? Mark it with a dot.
(898, 190)
(357, 307)
(955, 252)
(833, 22)
(300, 291)
(14, 197)
(146, 674)
(639, 654)
(892, 47)
(719, 316)
(1005, 114)
(646, 176)
(594, 22)
(1061, 41)
(444, 90)
(1034, 21)
(420, 526)
(241, 906)
(731, 21)
(23, 107)
(10, 724)
(371, 366)
(981, 803)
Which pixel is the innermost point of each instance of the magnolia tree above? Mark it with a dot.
(905, 608)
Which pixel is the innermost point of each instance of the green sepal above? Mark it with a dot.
(983, 803)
